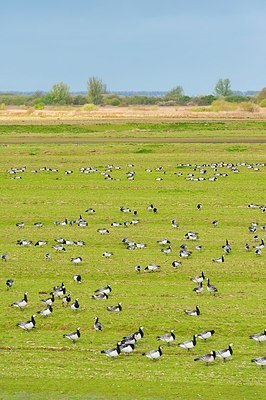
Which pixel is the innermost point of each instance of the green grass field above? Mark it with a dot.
(41, 363)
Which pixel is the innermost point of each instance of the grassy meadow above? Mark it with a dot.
(41, 363)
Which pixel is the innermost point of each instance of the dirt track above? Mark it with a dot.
(87, 140)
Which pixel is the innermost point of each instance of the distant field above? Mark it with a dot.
(191, 131)
(41, 363)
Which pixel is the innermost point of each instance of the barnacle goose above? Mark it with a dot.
(194, 312)
(47, 311)
(188, 344)
(154, 354)
(207, 358)
(113, 352)
(167, 337)
(206, 334)
(259, 337)
(226, 353)
(28, 325)
(261, 361)
(115, 308)
(97, 325)
(74, 336)
(21, 303)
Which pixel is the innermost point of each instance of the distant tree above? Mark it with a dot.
(175, 94)
(59, 94)
(261, 95)
(223, 87)
(96, 89)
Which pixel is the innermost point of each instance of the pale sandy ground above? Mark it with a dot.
(116, 114)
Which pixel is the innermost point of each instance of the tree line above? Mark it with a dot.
(98, 95)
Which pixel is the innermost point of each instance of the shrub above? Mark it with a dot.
(203, 100)
(237, 99)
(112, 101)
(89, 107)
(248, 106)
(222, 105)
(263, 103)
(39, 106)
(2, 106)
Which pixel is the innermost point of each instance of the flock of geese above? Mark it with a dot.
(128, 343)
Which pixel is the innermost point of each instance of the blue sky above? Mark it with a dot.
(133, 45)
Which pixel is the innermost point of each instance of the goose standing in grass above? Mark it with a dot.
(167, 337)
(113, 352)
(47, 311)
(261, 361)
(77, 278)
(191, 235)
(75, 305)
(227, 247)
(199, 278)
(28, 325)
(59, 290)
(247, 247)
(226, 353)
(261, 245)
(38, 224)
(126, 348)
(66, 300)
(154, 354)
(40, 243)
(74, 336)
(47, 256)
(193, 313)
(24, 242)
(166, 250)
(9, 283)
(185, 253)
(76, 260)
(4, 257)
(198, 289)
(164, 242)
(174, 223)
(137, 268)
(204, 335)
(258, 252)
(21, 303)
(49, 301)
(103, 231)
(80, 243)
(107, 254)
(211, 288)
(90, 211)
(207, 358)
(97, 325)
(152, 268)
(59, 247)
(134, 336)
(198, 247)
(129, 340)
(188, 344)
(20, 224)
(115, 308)
(176, 264)
(218, 259)
(258, 337)
(139, 334)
